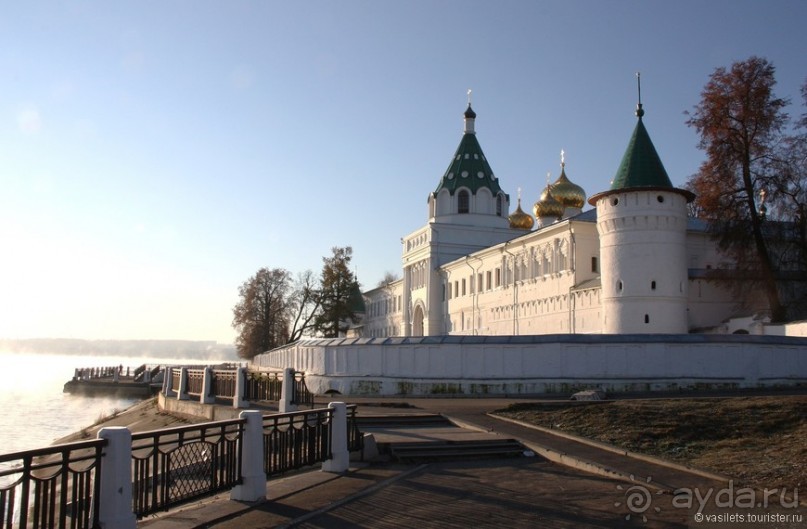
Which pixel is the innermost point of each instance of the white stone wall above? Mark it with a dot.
(796, 329)
(542, 364)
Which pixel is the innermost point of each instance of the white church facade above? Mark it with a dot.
(634, 264)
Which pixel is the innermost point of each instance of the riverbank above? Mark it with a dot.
(140, 417)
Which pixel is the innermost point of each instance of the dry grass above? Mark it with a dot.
(760, 441)
(140, 417)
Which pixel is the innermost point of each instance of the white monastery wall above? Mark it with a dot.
(796, 329)
(542, 364)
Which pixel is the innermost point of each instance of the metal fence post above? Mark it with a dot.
(339, 460)
(286, 403)
(253, 484)
(115, 501)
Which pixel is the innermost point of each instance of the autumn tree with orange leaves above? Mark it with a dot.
(742, 188)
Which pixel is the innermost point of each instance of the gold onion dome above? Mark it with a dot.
(548, 206)
(520, 220)
(565, 191)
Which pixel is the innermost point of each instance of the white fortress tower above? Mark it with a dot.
(642, 224)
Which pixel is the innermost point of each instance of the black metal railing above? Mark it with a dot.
(355, 438)
(223, 385)
(296, 440)
(300, 395)
(60, 486)
(258, 386)
(89, 373)
(51, 487)
(175, 465)
(195, 382)
(176, 378)
(263, 386)
(138, 372)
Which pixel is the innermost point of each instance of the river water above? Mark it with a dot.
(34, 411)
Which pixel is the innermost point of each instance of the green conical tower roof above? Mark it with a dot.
(356, 299)
(641, 165)
(469, 168)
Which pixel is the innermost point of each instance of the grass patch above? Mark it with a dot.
(761, 441)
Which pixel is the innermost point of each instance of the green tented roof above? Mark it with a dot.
(469, 168)
(356, 300)
(641, 165)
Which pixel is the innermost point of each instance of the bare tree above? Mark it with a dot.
(389, 278)
(305, 305)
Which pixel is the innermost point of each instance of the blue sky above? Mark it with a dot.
(154, 155)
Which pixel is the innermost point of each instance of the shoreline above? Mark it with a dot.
(141, 416)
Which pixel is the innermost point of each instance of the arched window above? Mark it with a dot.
(498, 205)
(463, 202)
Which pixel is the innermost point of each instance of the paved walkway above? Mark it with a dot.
(513, 493)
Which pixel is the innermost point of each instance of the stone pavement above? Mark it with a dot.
(592, 487)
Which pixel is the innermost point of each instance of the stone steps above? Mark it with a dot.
(409, 420)
(455, 450)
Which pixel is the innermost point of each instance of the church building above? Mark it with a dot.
(635, 264)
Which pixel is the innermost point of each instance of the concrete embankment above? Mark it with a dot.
(140, 417)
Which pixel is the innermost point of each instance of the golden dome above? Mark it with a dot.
(548, 206)
(567, 193)
(520, 220)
